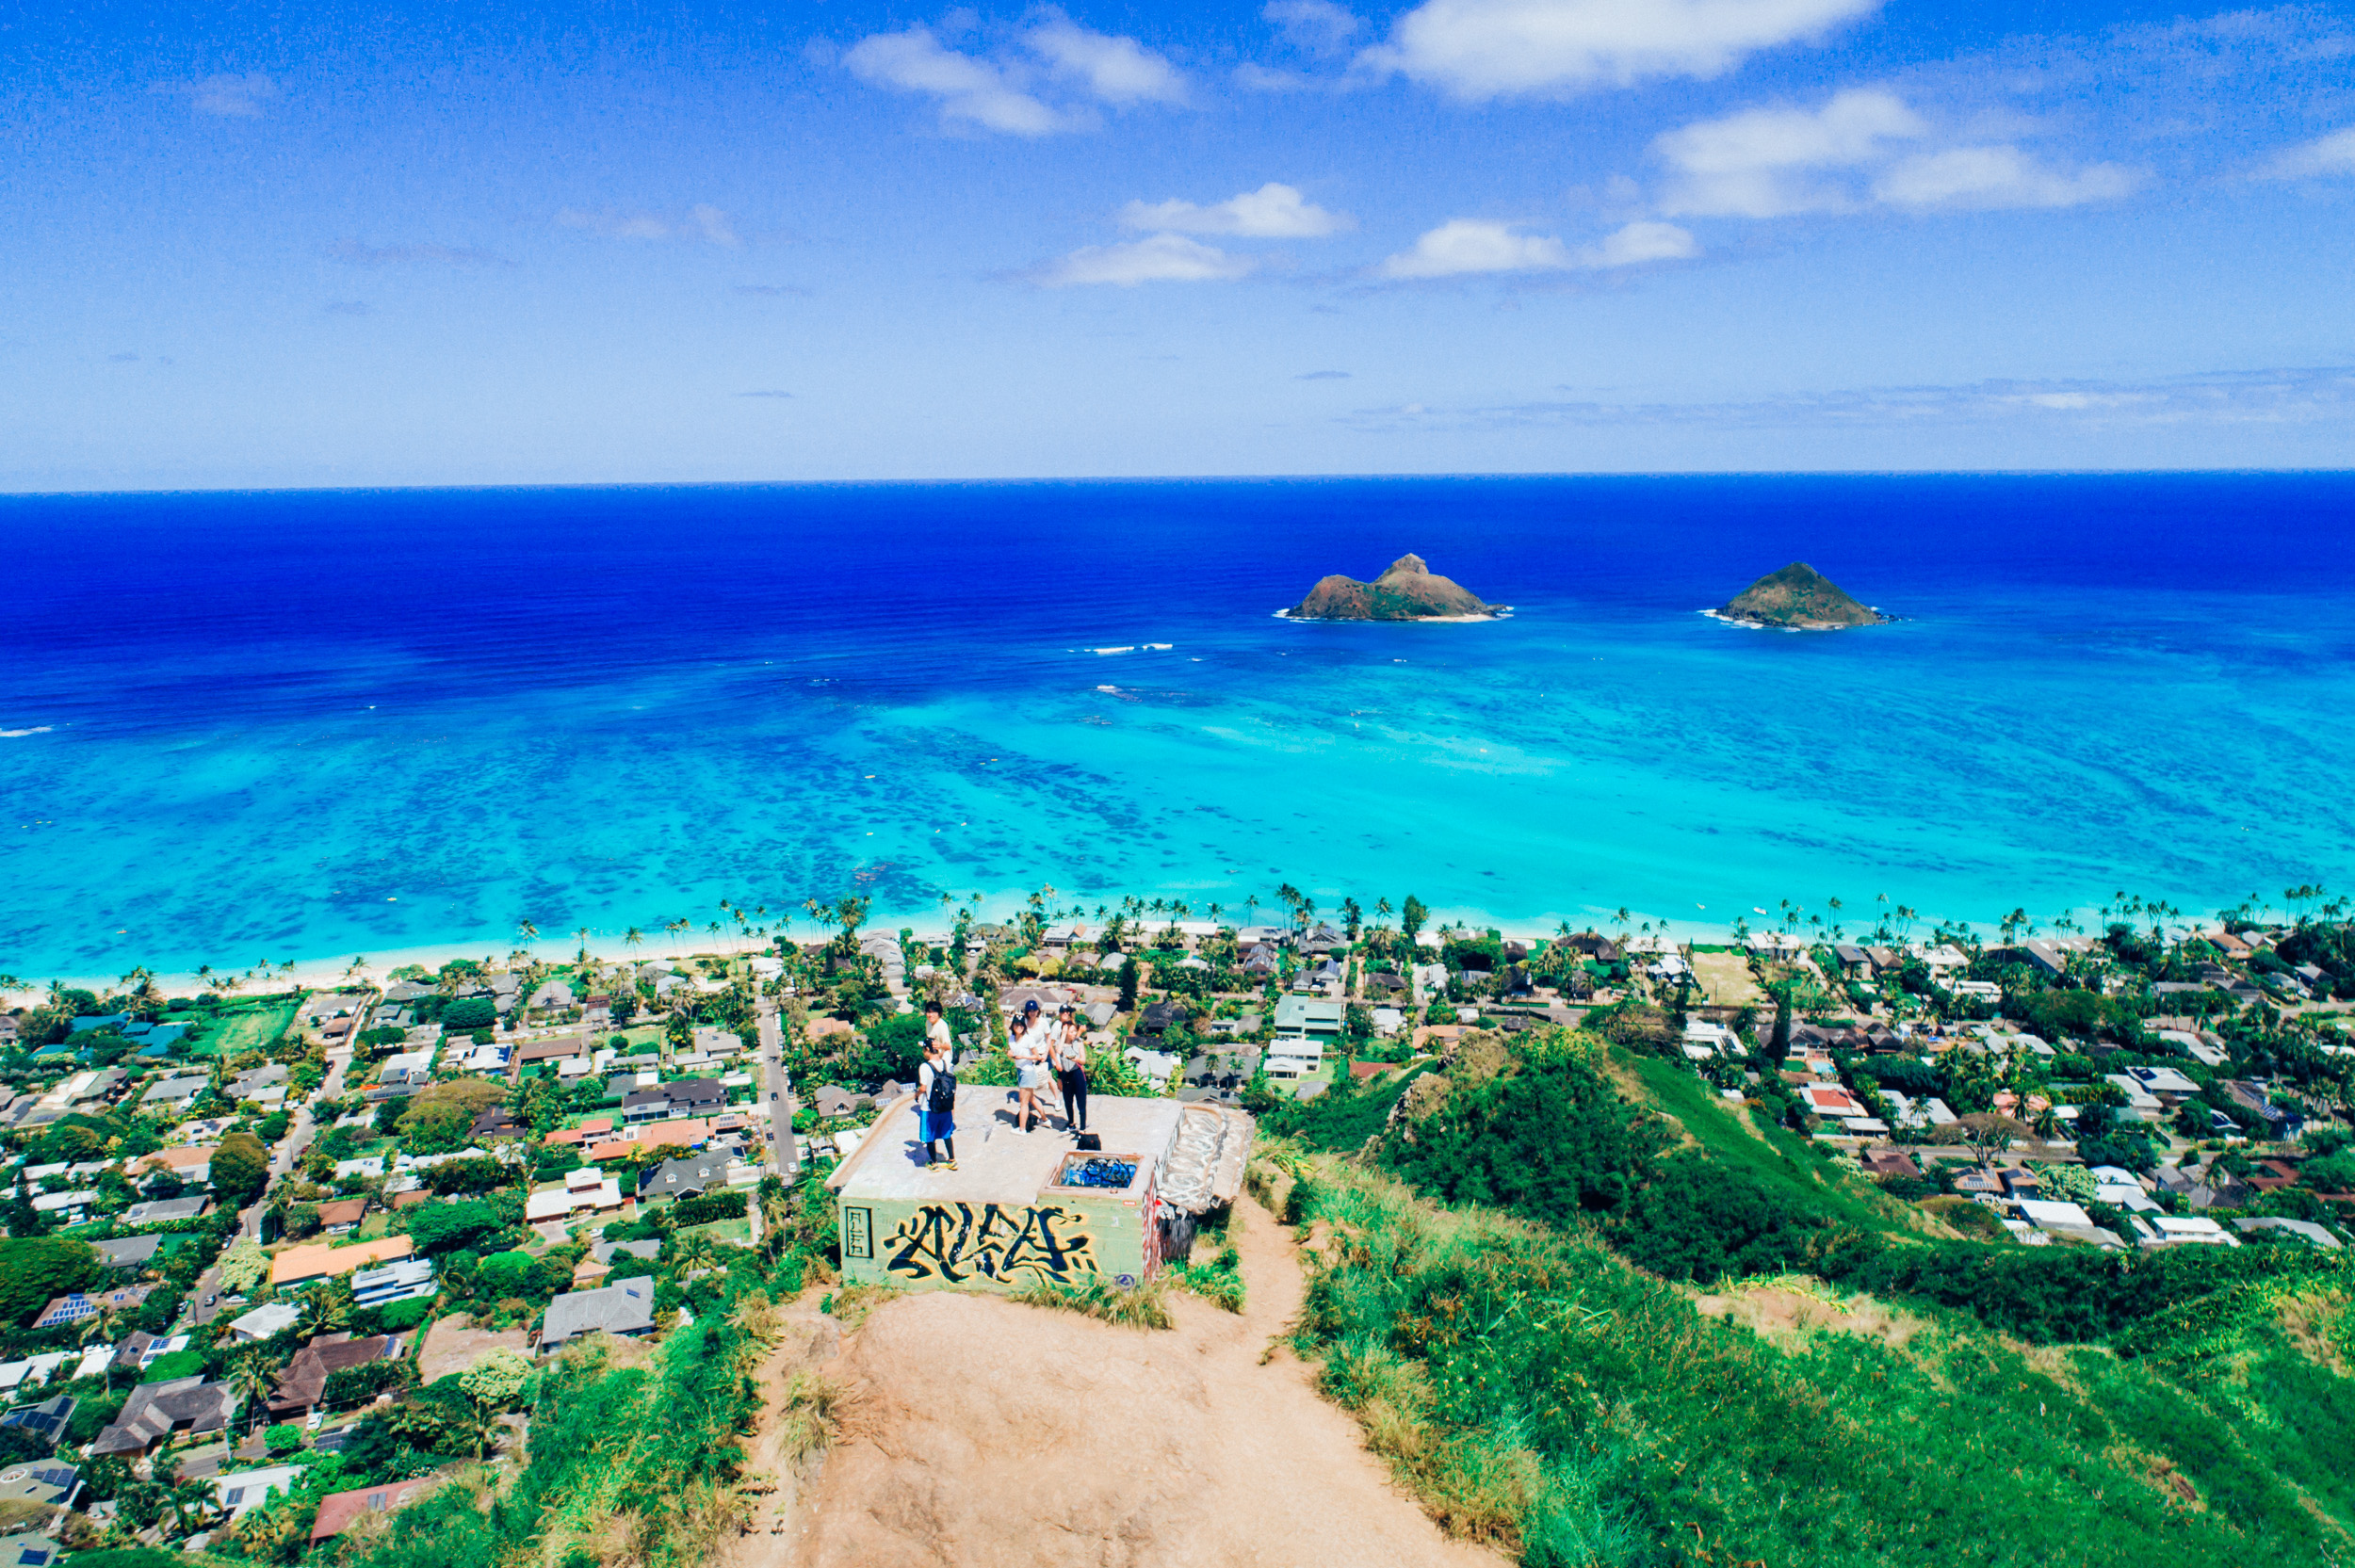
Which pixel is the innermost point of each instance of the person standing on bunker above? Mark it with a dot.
(1070, 1060)
(936, 1092)
(1028, 1050)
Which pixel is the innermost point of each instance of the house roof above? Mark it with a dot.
(155, 1409)
(625, 1306)
(338, 1510)
(305, 1379)
(309, 1263)
(346, 1212)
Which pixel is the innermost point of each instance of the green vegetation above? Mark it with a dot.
(1140, 1307)
(1798, 596)
(1539, 1393)
(249, 1029)
(1550, 1380)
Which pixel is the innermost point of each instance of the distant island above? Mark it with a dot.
(1797, 598)
(1410, 591)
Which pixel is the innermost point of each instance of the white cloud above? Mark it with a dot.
(228, 97)
(1757, 163)
(971, 90)
(2330, 154)
(1464, 246)
(1272, 212)
(1314, 26)
(1480, 49)
(1861, 147)
(2000, 176)
(701, 221)
(1155, 258)
(1638, 243)
(1114, 69)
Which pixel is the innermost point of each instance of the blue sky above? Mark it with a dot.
(319, 244)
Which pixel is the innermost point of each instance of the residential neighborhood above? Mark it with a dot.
(264, 1241)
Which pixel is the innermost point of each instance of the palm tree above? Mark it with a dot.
(252, 1376)
(527, 932)
(634, 939)
(582, 936)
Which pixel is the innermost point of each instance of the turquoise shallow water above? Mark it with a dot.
(302, 725)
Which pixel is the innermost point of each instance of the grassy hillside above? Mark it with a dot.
(1980, 1404)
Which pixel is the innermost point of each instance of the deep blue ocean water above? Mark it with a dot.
(312, 724)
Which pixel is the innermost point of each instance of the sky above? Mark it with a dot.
(251, 245)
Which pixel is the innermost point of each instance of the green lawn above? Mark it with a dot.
(736, 1231)
(249, 1031)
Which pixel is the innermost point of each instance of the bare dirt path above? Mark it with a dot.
(984, 1433)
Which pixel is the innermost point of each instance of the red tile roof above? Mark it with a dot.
(338, 1510)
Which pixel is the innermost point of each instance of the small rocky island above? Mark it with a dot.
(1798, 598)
(1408, 591)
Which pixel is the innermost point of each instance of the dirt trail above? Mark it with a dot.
(986, 1433)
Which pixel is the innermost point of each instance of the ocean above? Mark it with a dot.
(237, 727)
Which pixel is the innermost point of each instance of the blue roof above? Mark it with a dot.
(165, 1034)
(98, 1021)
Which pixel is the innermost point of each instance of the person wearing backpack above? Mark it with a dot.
(936, 1097)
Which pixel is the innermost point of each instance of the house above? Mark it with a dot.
(338, 1510)
(1307, 1019)
(265, 1085)
(1161, 1016)
(694, 1176)
(240, 1493)
(79, 1307)
(298, 1267)
(585, 1190)
(50, 1484)
(2304, 1229)
(2173, 1230)
(398, 1280)
(304, 1384)
(26, 1549)
(406, 1069)
(623, 1307)
(192, 1163)
(157, 1410)
(65, 1208)
(553, 995)
(2279, 1123)
(264, 1321)
(685, 1134)
(564, 1051)
(173, 1094)
(49, 1419)
(490, 1058)
(1829, 1100)
(1258, 960)
(2164, 1081)
(834, 1100)
(685, 1097)
(497, 1125)
(342, 1217)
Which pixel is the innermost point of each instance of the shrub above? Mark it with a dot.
(708, 1208)
(282, 1439)
(468, 1013)
(405, 1315)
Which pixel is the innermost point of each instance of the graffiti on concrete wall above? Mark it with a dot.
(955, 1242)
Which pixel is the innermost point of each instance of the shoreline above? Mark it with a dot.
(330, 974)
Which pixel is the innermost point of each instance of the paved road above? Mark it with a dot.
(780, 1102)
(300, 1133)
